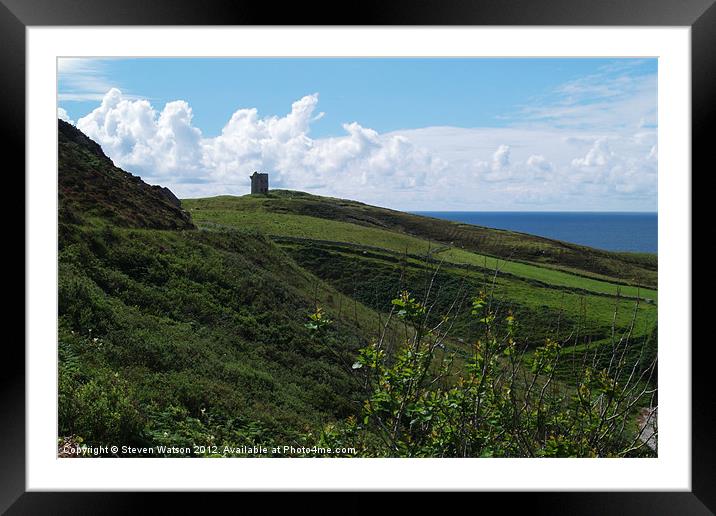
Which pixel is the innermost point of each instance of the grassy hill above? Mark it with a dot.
(600, 306)
(370, 253)
(630, 268)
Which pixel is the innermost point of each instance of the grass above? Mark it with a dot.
(370, 263)
(631, 268)
(248, 212)
(549, 276)
(374, 278)
(198, 324)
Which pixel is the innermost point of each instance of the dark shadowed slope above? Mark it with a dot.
(90, 186)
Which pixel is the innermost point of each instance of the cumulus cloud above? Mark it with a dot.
(62, 115)
(428, 168)
(501, 159)
(137, 137)
(164, 146)
(616, 174)
(539, 164)
(498, 168)
(598, 155)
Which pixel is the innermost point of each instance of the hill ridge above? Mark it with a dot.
(91, 186)
(629, 268)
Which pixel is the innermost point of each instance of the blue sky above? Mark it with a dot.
(508, 131)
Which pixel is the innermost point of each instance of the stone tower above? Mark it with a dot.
(259, 183)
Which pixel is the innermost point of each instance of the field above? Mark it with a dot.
(369, 259)
(285, 220)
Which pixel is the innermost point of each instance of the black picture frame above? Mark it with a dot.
(700, 15)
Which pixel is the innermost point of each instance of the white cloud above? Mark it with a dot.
(62, 115)
(614, 98)
(164, 146)
(430, 168)
(81, 79)
(539, 163)
(598, 155)
(501, 159)
(556, 169)
(498, 168)
(84, 79)
(618, 174)
(137, 137)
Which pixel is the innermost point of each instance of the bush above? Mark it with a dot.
(103, 410)
(503, 402)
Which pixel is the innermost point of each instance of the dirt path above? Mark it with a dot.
(647, 421)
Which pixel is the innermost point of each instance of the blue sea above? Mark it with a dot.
(612, 231)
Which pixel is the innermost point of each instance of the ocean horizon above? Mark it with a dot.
(611, 231)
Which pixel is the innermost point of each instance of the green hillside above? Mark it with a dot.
(365, 253)
(631, 268)
(206, 324)
(600, 306)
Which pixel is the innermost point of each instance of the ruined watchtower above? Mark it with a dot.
(259, 183)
